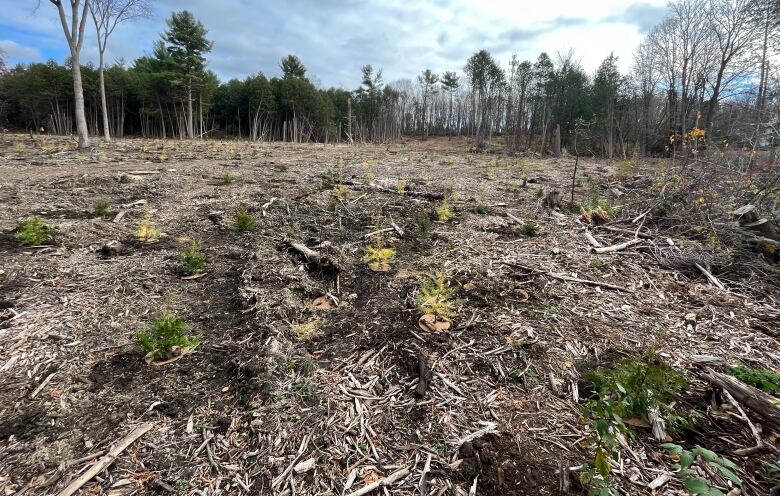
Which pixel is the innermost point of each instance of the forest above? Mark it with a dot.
(706, 66)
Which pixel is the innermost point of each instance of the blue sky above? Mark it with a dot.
(334, 38)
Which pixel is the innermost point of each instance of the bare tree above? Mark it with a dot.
(3, 67)
(74, 34)
(107, 14)
(733, 33)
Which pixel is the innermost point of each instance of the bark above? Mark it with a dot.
(75, 37)
(103, 103)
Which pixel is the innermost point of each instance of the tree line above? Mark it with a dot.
(702, 74)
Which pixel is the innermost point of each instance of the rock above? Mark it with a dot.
(112, 248)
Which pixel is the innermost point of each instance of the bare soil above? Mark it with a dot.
(257, 397)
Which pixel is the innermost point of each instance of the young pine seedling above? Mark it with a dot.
(378, 258)
(101, 208)
(147, 231)
(444, 212)
(33, 232)
(165, 338)
(423, 224)
(228, 178)
(529, 228)
(193, 258)
(243, 221)
(437, 297)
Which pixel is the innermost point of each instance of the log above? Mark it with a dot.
(756, 400)
(107, 460)
(320, 259)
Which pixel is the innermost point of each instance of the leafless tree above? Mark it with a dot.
(733, 34)
(74, 34)
(3, 67)
(107, 14)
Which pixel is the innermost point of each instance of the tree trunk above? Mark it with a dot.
(103, 103)
(557, 141)
(78, 94)
(190, 123)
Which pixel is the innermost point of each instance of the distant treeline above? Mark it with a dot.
(703, 73)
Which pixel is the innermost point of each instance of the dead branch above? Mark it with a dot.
(107, 460)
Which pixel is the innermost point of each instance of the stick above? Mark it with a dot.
(383, 482)
(533, 272)
(42, 385)
(589, 282)
(714, 280)
(621, 246)
(593, 241)
(107, 460)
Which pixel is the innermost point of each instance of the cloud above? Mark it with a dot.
(17, 52)
(334, 38)
(643, 15)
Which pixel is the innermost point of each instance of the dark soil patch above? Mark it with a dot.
(504, 469)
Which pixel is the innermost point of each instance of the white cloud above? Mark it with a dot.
(17, 52)
(334, 38)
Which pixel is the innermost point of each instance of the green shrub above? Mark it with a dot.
(165, 337)
(193, 258)
(693, 483)
(101, 208)
(33, 232)
(243, 221)
(626, 390)
(228, 178)
(765, 380)
(640, 382)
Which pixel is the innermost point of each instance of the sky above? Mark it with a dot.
(335, 38)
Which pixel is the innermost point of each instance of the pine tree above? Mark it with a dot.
(187, 43)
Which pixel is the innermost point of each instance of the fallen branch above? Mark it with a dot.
(589, 282)
(107, 460)
(618, 247)
(593, 241)
(383, 482)
(320, 259)
(755, 399)
(714, 280)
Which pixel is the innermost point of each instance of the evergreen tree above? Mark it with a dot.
(292, 67)
(187, 43)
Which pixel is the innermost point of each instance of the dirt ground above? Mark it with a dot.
(260, 408)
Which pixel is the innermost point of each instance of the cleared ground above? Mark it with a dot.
(277, 382)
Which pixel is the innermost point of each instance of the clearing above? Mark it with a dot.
(291, 393)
